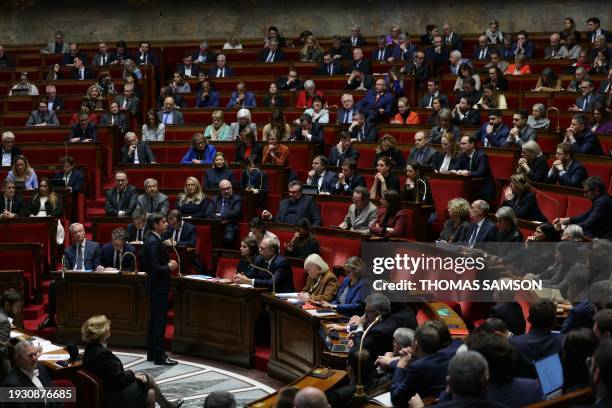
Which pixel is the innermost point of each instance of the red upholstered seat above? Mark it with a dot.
(14, 259)
(577, 205)
(336, 250)
(422, 316)
(102, 232)
(204, 247)
(606, 143)
(333, 212)
(502, 162)
(300, 155)
(597, 167)
(367, 155)
(27, 233)
(552, 205)
(299, 278)
(89, 389)
(226, 267)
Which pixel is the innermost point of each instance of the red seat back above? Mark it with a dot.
(577, 205)
(336, 250)
(553, 205)
(444, 190)
(226, 267)
(299, 278)
(333, 212)
(203, 247)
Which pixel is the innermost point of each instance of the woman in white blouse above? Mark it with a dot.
(153, 130)
(466, 71)
(318, 112)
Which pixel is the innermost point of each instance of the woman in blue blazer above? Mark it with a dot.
(200, 151)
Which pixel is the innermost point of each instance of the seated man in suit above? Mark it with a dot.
(437, 54)
(227, 207)
(179, 233)
(433, 91)
(319, 176)
(291, 82)
(346, 112)
(59, 46)
(136, 152)
(152, 201)
(170, 115)
(43, 116)
(521, 132)
(539, 342)
(103, 57)
(273, 53)
(81, 72)
(343, 150)
(475, 163)
(187, 68)
(11, 204)
(9, 150)
(596, 221)
(113, 251)
(582, 140)
(121, 201)
(423, 153)
(348, 179)
(242, 98)
(73, 178)
(378, 101)
(269, 259)
(308, 131)
(115, 118)
(338, 50)
(510, 314)
(330, 66)
(129, 101)
(444, 117)
(361, 213)
(84, 131)
(296, 207)
(465, 114)
(203, 55)
(482, 229)
(54, 102)
(145, 55)
(138, 228)
(419, 68)
(221, 70)
(72, 53)
(207, 97)
(494, 132)
(83, 255)
(357, 80)
(588, 98)
(361, 130)
(382, 53)
(360, 63)
(565, 170)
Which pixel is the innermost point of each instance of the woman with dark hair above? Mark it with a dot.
(271, 33)
(416, 188)
(519, 197)
(433, 119)
(105, 84)
(601, 63)
(258, 231)
(391, 218)
(384, 179)
(272, 99)
(249, 249)
(578, 345)
(200, 151)
(534, 257)
(466, 71)
(218, 172)
(387, 147)
(601, 122)
(248, 148)
(46, 203)
(253, 179)
(497, 78)
(456, 227)
(492, 99)
(450, 160)
(277, 125)
(548, 81)
(569, 28)
(178, 84)
(303, 242)
(153, 130)
(317, 112)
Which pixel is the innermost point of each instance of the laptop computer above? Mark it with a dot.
(20, 92)
(550, 374)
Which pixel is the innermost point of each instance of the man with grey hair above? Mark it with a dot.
(136, 152)
(310, 397)
(9, 150)
(345, 113)
(203, 54)
(128, 101)
(555, 50)
(403, 338)
(54, 102)
(361, 213)
(579, 75)
(356, 40)
(452, 40)
(455, 60)
(482, 229)
(227, 208)
(170, 115)
(28, 372)
(221, 70)
(360, 63)
(152, 200)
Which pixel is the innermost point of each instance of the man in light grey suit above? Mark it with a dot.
(169, 115)
(361, 214)
(10, 306)
(42, 116)
(59, 46)
(152, 200)
(423, 153)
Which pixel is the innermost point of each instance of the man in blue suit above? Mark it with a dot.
(475, 163)
(582, 140)
(179, 233)
(308, 131)
(319, 176)
(270, 260)
(221, 70)
(227, 207)
(493, 133)
(378, 101)
(383, 53)
(362, 130)
(523, 45)
(114, 250)
(348, 178)
(296, 207)
(207, 97)
(73, 178)
(482, 51)
(565, 170)
(482, 229)
(242, 98)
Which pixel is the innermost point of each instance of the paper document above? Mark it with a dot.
(199, 277)
(383, 399)
(324, 314)
(53, 357)
(286, 295)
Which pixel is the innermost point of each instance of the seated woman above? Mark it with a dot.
(384, 179)
(178, 84)
(218, 172)
(535, 258)
(306, 96)
(387, 147)
(601, 122)
(24, 87)
(391, 218)
(450, 160)
(532, 162)
(244, 121)
(122, 388)
(94, 99)
(456, 227)
(46, 203)
(248, 148)
(601, 63)
(318, 112)
(538, 119)
(416, 189)
(85, 108)
(433, 119)
(507, 225)
(105, 84)
(153, 130)
(303, 242)
(491, 99)
(277, 125)
(519, 67)
(22, 171)
(219, 130)
(522, 201)
(200, 151)
(192, 202)
(272, 99)
(311, 52)
(548, 81)
(249, 249)
(253, 179)
(321, 284)
(275, 152)
(497, 79)
(466, 71)
(352, 292)
(404, 115)
(130, 67)
(258, 231)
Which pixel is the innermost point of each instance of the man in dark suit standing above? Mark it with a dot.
(114, 250)
(74, 179)
(9, 150)
(227, 207)
(482, 229)
(156, 262)
(475, 163)
(348, 179)
(136, 152)
(272, 53)
(330, 66)
(270, 260)
(121, 200)
(115, 118)
(319, 176)
(296, 207)
(11, 204)
(84, 131)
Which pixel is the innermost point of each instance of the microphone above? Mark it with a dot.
(123, 256)
(556, 202)
(269, 273)
(359, 391)
(178, 258)
(63, 265)
(424, 190)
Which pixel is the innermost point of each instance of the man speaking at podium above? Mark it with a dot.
(156, 262)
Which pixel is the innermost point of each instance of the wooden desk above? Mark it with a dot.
(444, 313)
(122, 298)
(215, 320)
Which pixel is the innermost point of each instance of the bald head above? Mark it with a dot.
(310, 397)
(168, 104)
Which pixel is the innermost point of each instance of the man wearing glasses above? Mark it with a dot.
(121, 200)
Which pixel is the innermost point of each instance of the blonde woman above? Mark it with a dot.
(94, 99)
(387, 147)
(457, 226)
(22, 171)
(46, 203)
(491, 99)
(219, 130)
(311, 51)
(192, 202)
(122, 388)
(321, 284)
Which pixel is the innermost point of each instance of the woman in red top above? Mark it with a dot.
(519, 67)
(307, 95)
(404, 115)
(391, 219)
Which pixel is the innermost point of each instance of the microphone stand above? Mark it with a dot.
(269, 273)
(178, 258)
(63, 266)
(123, 256)
(359, 391)
(550, 198)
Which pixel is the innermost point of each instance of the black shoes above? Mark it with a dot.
(166, 361)
(178, 403)
(48, 322)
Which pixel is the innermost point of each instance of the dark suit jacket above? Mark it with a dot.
(580, 315)
(195, 69)
(279, 55)
(360, 41)
(17, 379)
(212, 177)
(15, 151)
(108, 256)
(132, 232)
(429, 157)
(280, 268)
(150, 58)
(233, 212)
(387, 53)
(145, 154)
(76, 180)
(328, 184)
(437, 60)
(212, 72)
(456, 42)
(92, 255)
(247, 102)
(209, 101)
(486, 233)
(128, 201)
(480, 168)
(511, 314)
(344, 51)
(370, 103)
(121, 121)
(539, 169)
(451, 234)
(596, 221)
(476, 53)
(354, 301)
(58, 103)
(279, 101)
(133, 105)
(425, 376)
(421, 73)
(355, 181)
(154, 259)
(497, 138)
(587, 143)
(380, 337)
(88, 133)
(208, 58)
(336, 68)
(304, 207)
(370, 132)
(424, 103)
(283, 86)
(18, 207)
(316, 131)
(188, 235)
(534, 346)
(336, 158)
(256, 152)
(573, 177)
(593, 99)
(527, 208)
(87, 74)
(471, 117)
(57, 212)
(363, 66)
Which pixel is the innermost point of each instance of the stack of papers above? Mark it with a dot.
(313, 312)
(198, 277)
(287, 295)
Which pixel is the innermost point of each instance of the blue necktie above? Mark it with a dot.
(223, 207)
(79, 258)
